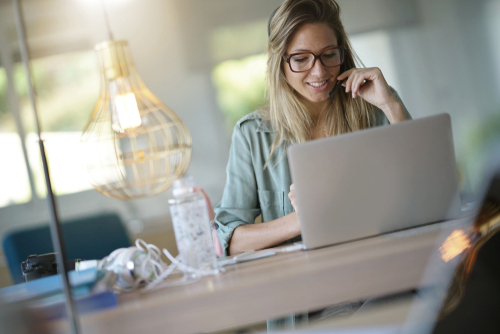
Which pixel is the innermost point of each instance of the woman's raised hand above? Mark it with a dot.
(370, 84)
(291, 196)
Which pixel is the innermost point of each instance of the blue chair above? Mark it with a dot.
(86, 238)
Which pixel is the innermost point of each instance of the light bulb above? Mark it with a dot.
(125, 112)
(134, 146)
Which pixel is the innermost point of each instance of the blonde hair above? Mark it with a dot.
(286, 110)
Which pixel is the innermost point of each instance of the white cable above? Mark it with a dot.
(153, 272)
(184, 268)
(188, 268)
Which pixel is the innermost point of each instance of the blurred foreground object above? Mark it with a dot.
(134, 145)
(486, 225)
(19, 319)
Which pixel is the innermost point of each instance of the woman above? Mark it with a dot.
(309, 57)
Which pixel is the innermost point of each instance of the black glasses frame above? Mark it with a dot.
(287, 59)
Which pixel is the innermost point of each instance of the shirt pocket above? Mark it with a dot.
(271, 204)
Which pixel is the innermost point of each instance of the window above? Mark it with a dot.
(240, 86)
(14, 181)
(67, 86)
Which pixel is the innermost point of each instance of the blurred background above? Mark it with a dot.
(206, 60)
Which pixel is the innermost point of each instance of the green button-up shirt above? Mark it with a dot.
(250, 189)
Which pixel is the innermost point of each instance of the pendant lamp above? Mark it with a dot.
(134, 145)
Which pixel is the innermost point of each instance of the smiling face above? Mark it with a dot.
(315, 84)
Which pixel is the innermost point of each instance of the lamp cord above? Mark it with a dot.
(105, 13)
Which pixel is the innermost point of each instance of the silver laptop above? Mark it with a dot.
(375, 181)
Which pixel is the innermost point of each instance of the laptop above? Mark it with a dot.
(375, 181)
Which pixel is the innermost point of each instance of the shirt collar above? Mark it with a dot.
(265, 126)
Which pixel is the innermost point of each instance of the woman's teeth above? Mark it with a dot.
(317, 84)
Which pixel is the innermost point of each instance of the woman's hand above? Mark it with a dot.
(370, 84)
(291, 196)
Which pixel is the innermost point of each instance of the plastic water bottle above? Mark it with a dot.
(192, 225)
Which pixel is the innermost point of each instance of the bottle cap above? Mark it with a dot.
(183, 186)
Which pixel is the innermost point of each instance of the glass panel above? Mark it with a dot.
(65, 162)
(67, 86)
(493, 23)
(14, 182)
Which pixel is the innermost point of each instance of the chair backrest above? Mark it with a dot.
(86, 238)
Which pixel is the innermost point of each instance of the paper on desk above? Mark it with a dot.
(226, 261)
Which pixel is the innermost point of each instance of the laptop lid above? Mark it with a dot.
(375, 181)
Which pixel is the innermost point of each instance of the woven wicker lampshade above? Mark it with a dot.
(134, 145)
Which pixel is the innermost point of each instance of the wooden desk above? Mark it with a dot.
(273, 287)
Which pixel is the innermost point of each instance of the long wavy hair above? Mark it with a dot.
(286, 110)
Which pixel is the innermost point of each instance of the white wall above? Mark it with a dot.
(448, 62)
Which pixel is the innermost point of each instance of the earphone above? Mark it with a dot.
(342, 70)
(335, 89)
(339, 84)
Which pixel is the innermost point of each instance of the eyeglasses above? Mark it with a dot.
(304, 61)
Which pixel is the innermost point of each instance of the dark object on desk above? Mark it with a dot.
(86, 238)
(38, 266)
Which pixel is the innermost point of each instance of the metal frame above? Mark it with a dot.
(55, 227)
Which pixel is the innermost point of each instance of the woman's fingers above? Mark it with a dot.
(357, 83)
(292, 199)
(345, 74)
(370, 84)
(291, 196)
(355, 79)
(348, 84)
